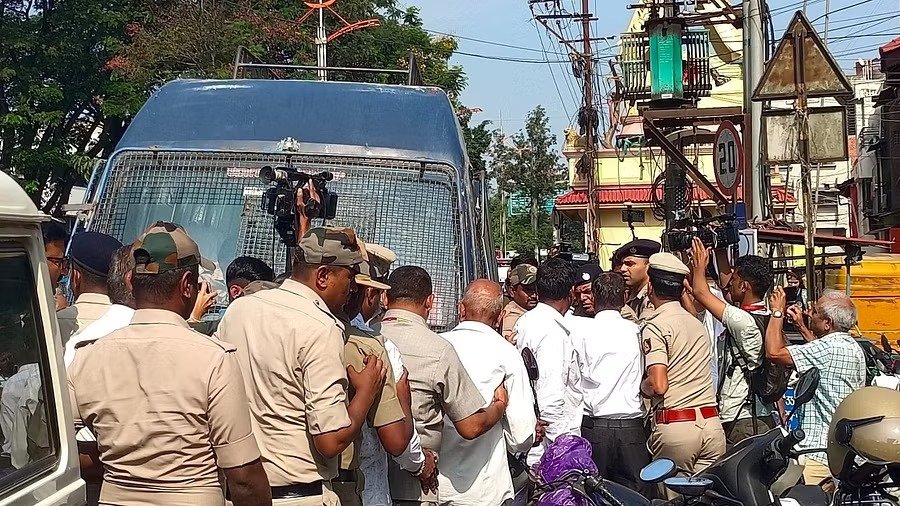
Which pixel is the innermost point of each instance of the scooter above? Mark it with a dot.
(746, 475)
(888, 367)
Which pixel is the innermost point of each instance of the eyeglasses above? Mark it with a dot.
(60, 262)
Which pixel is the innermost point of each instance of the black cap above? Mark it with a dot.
(92, 252)
(587, 273)
(642, 248)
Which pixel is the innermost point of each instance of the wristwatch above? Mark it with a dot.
(777, 314)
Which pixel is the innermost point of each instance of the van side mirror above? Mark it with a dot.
(658, 470)
(806, 386)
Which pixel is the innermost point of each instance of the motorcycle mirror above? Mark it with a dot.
(885, 344)
(658, 470)
(806, 387)
(689, 487)
(530, 364)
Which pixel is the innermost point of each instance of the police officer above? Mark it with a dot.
(686, 425)
(634, 264)
(392, 423)
(521, 285)
(90, 256)
(290, 345)
(583, 305)
(165, 402)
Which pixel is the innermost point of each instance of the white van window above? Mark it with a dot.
(28, 428)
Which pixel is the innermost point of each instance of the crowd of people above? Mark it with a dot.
(326, 385)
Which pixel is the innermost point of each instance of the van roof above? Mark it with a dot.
(336, 118)
(16, 205)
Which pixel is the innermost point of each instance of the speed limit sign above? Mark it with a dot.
(728, 157)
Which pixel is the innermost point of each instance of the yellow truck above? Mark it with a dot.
(875, 288)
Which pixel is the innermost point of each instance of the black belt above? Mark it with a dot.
(611, 423)
(291, 491)
(346, 476)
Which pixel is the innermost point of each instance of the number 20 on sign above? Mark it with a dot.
(728, 157)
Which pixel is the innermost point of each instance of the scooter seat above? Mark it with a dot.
(808, 495)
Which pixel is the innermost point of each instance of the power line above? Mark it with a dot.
(492, 43)
(552, 73)
(857, 4)
(511, 59)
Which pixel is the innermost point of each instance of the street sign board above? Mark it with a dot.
(827, 136)
(822, 76)
(728, 157)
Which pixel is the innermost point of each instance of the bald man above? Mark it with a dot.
(476, 471)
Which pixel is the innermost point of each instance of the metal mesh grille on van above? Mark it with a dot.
(410, 207)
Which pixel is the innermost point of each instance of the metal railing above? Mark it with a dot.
(634, 60)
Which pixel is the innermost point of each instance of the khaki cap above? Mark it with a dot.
(166, 246)
(667, 262)
(523, 274)
(375, 266)
(331, 246)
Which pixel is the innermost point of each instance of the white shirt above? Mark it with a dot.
(19, 401)
(558, 386)
(116, 317)
(612, 366)
(748, 342)
(715, 329)
(372, 457)
(476, 472)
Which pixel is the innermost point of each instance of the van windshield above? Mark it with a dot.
(411, 208)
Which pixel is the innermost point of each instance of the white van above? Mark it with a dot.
(39, 457)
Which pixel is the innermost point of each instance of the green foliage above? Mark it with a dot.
(73, 72)
(528, 166)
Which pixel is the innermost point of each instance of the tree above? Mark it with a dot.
(73, 72)
(529, 167)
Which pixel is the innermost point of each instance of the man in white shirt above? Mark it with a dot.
(476, 472)
(544, 331)
(612, 367)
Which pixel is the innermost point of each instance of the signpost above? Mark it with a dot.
(728, 158)
(802, 68)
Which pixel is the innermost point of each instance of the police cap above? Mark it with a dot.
(669, 264)
(92, 252)
(587, 273)
(641, 248)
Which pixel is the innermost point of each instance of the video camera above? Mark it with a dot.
(715, 232)
(280, 199)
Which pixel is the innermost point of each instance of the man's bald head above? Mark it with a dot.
(482, 302)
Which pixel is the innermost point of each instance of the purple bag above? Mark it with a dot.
(567, 453)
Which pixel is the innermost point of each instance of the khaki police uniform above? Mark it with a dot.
(384, 411)
(291, 350)
(637, 307)
(686, 424)
(522, 274)
(166, 403)
(439, 385)
(88, 308)
(359, 344)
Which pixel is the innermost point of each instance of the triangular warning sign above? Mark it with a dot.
(820, 73)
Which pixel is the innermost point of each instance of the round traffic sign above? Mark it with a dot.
(728, 157)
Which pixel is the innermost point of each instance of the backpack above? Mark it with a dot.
(769, 381)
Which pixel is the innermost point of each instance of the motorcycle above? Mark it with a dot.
(887, 368)
(747, 474)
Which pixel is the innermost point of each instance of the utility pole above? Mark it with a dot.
(809, 219)
(587, 115)
(589, 141)
(754, 65)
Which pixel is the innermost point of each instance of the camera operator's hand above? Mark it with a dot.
(699, 256)
(796, 315)
(304, 222)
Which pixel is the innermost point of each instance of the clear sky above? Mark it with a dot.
(857, 29)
